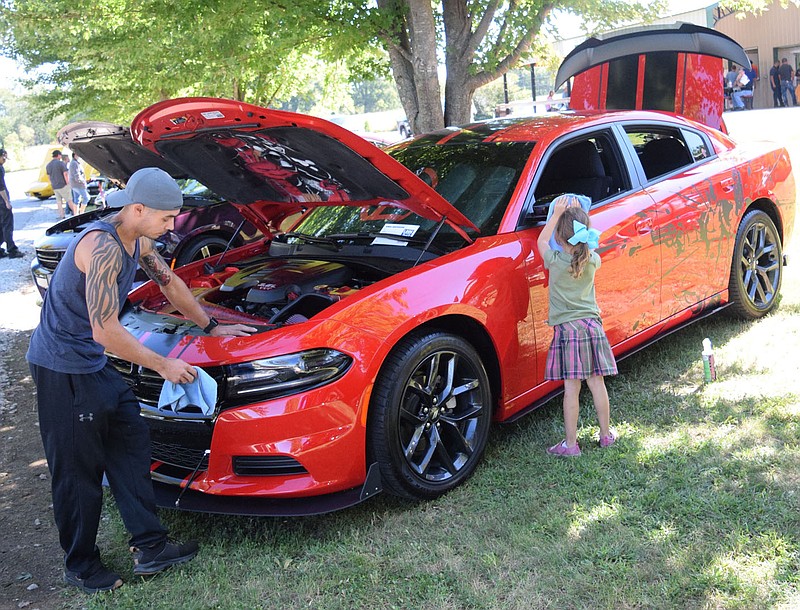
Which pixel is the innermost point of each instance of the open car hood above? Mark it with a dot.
(110, 149)
(676, 37)
(272, 163)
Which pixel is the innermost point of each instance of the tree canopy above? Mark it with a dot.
(110, 58)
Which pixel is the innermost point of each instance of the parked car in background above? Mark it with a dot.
(404, 127)
(42, 189)
(205, 226)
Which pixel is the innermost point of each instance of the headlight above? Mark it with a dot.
(284, 375)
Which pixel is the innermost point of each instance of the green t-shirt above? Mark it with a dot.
(570, 298)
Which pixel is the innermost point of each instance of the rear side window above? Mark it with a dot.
(660, 150)
(697, 145)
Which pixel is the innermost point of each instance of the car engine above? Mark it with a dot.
(281, 291)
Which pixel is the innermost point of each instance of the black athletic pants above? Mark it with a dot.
(7, 226)
(90, 424)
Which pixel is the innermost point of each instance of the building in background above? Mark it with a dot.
(772, 35)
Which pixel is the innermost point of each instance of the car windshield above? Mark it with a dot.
(477, 178)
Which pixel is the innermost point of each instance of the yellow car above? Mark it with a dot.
(41, 188)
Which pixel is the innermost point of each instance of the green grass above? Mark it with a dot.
(696, 506)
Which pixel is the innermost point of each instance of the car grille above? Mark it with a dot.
(48, 258)
(180, 456)
(146, 383)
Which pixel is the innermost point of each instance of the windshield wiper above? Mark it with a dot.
(313, 239)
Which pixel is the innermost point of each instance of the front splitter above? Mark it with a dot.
(174, 497)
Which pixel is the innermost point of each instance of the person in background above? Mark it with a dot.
(752, 74)
(549, 107)
(579, 349)
(89, 418)
(797, 83)
(775, 85)
(6, 214)
(58, 174)
(787, 82)
(77, 185)
(742, 88)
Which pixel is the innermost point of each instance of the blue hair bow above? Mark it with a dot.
(584, 235)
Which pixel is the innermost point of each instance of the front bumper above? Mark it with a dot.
(170, 496)
(41, 276)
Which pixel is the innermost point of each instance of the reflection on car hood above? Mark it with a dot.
(274, 163)
(110, 149)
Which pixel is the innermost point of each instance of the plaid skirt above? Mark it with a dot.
(579, 350)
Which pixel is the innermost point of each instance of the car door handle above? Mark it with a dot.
(644, 226)
(727, 184)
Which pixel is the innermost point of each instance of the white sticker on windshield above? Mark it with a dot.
(212, 114)
(395, 229)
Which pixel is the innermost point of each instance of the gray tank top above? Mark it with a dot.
(63, 340)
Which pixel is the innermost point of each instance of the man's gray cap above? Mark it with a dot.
(150, 186)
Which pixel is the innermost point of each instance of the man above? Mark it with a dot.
(742, 88)
(77, 185)
(787, 86)
(6, 214)
(775, 84)
(58, 175)
(88, 417)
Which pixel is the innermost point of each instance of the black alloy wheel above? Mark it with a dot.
(757, 267)
(429, 416)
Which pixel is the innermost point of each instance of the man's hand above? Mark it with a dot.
(232, 330)
(177, 371)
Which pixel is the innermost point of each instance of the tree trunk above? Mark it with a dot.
(412, 52)
(458, 57)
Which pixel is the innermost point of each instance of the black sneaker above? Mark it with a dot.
(148, 561)
(102, 580)
(15, 254)
(3, 253)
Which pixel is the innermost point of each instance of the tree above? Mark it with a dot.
(479, 40)
(109, 58)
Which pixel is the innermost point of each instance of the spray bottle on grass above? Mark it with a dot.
(709, 367)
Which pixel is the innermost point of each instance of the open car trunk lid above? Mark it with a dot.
(676, 68)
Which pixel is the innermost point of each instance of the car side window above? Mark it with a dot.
(660, 150)
(696, 144)
(589, 165)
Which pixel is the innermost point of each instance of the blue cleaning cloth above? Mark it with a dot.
(585, 202)
(197, 398)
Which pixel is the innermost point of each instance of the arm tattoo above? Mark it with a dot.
(155, 267)
(102, 293)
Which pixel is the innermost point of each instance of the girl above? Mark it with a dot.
(580, 349)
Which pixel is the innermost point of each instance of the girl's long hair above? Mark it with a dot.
(564, 230)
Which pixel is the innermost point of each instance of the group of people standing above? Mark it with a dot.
(69, 183)
(783, 79)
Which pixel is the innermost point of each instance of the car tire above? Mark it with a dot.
(201, 247)
(429, 416)
(757, 267)
(42, 197)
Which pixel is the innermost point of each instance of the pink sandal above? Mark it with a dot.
(561, 449)
(607, 441)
